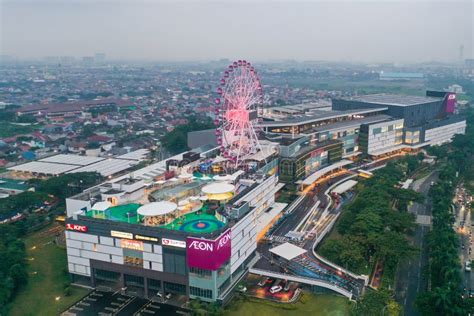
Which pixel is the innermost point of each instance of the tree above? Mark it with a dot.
(176, 140)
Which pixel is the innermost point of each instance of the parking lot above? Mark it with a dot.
(272, 289)
(115, 303)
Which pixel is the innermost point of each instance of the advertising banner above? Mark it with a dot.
(173, 243)
(208, 254)
(450, 102)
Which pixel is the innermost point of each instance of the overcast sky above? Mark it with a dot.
(402, 31)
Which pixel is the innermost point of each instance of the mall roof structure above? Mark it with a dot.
(319, 116)
(393, 99)
(345, 186)
(45, 168)
(318, 174)
(72, 159)
(107, 167)
(138, 155)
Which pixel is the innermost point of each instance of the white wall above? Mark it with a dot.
(445, 133)
(81, 247)
(73, 206)
(387, 140)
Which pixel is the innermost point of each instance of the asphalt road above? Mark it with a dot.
(463, 226)
(410, 279)
(291, 222)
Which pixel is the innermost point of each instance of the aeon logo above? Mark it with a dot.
(201, 245)
(223, 241)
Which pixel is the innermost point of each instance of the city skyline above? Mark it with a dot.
(190, 31)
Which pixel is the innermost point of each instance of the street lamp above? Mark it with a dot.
(57, 298)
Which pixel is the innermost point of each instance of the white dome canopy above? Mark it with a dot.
(218, 188)
(157, 208)
(222, 177)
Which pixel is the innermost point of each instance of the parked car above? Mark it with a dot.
(168, 295)
(287, 286)
(264, 281)
(467, 266)
(275, 289)
(276, 286)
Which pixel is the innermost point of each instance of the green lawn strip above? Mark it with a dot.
(47, 279)
(309, 304)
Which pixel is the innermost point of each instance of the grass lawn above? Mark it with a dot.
(314, 305)
(47, 263)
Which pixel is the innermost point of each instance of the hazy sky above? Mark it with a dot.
(401, 31)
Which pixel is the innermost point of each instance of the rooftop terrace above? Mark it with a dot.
(201, 221)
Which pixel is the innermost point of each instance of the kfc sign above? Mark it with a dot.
(79, 228)
(209, 254)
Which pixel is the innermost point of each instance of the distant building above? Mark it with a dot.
(401, 76)
(71, 109)
(99, 57)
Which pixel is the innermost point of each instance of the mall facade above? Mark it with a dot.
(200, 250)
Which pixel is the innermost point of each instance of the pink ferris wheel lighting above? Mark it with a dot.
(239, 96)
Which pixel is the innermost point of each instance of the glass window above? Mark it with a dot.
(196, 291)
(174, 287)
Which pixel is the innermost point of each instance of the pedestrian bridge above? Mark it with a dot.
(304, 280)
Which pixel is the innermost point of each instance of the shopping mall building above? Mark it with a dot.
(198, 242)
(190, 224)
(372, 125)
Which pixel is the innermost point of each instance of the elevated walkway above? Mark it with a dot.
(304, 280)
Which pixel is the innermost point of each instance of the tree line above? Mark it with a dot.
(13, 264)
(445, 295)
(373, 228)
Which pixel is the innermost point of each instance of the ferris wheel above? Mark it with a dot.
(239, 96)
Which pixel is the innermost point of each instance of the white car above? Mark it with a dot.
(467, 266)
(275, 289)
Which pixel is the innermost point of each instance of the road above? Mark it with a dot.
(463, 226)
(410, 279)
(307, 265)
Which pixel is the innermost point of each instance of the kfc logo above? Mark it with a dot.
(79, 228)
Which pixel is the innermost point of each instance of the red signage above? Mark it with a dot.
(79, 228)
(209, 254)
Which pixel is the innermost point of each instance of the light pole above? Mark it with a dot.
(383, 309)
(57, 298)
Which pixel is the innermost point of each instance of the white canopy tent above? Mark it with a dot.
(157, 208)
(218, 188)
(288, 251)
(345, 186)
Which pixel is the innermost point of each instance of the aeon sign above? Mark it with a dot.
(450, 103)
(208, 254)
